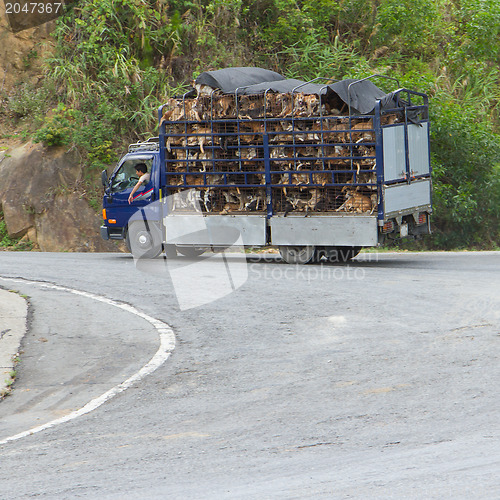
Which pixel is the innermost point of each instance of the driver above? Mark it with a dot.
(142, 172)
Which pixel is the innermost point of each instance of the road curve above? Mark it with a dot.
(374, 380)
(39, 407)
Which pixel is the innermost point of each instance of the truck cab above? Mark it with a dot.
(118, 214)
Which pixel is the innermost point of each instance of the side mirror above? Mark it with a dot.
(104, 178)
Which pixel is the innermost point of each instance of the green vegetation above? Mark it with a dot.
(12, 378)
(9, 382)
(466, 180)
(117, 60)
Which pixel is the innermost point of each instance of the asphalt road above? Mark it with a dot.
(374, 380)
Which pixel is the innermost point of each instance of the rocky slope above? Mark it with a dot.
(39, 187)
(40, 200)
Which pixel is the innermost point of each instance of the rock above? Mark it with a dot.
(17, 219)
(23, 21)
(70, 224)
(30, 235)
(39, 198)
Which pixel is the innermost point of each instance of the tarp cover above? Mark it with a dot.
(248, 81)
(229, 79)
(363, 94)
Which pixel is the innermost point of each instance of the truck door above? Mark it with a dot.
(122, 181)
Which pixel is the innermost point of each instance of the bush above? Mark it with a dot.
(479, 30)
(409, 26)
(28, 101)
(58, 128)
(466, 174)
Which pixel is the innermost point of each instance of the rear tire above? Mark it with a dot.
(337, 254)
(191, 252)
(143, 240)
(297, 255)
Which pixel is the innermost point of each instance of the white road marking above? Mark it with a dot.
(167, 345)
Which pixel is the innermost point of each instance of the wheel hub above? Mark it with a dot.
(144, 240)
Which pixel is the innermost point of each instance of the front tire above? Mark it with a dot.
(143, 240)
(297, 255)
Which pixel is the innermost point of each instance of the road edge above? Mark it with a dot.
(13, 327)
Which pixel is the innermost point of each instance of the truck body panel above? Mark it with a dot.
(215, 230)
(399, 198)
(336, 230)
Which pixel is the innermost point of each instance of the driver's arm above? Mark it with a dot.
(136, 187)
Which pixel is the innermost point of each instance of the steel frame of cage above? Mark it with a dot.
(218, 130)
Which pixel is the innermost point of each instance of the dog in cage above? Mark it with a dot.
(251, 107)
(355, 201)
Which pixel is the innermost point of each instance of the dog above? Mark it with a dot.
(305, 105)
(355, 202)
(176, 110)
(277, 152)
(287, 102)
(203, 90)
(204, 107)
(190, 180)
(203, 136)
(336, 157)
(198, 136)
(224, 106)
(251, 107)
(254, 127)
(301, 205)
(365, 177)
(322, 178)
(365, 134)
(300, 179)
(389, 119)
(274, 104)
(279, 135)
(248, 153)
(236, 200)
(335, 131)
(172, 111)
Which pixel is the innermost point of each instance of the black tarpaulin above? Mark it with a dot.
(282, 87)
(229, 79)
(361, 95)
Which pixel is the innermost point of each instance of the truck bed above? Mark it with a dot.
(295, 156)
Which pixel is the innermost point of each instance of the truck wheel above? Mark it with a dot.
(191, 252)
(143, 241)
(338, 254)
(297, 255)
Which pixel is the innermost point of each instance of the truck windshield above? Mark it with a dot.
(126, 177)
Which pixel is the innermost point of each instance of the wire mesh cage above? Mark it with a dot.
(281, 152)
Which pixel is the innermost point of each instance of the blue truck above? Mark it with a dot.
(319, 169)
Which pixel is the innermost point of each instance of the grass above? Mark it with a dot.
(9, 382)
